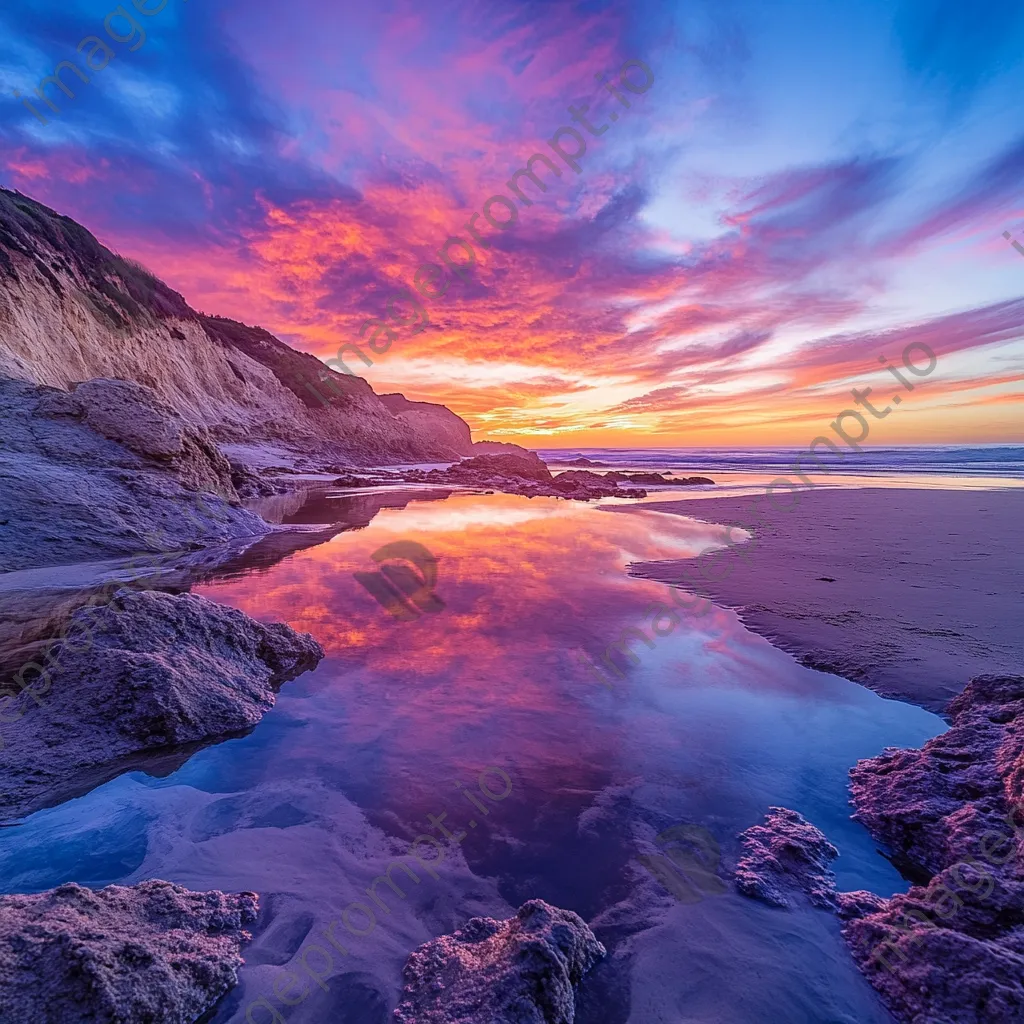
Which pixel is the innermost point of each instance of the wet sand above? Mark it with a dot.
(909, 592)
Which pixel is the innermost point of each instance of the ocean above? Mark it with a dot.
(997, 460)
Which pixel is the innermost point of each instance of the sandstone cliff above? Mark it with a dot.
(72, 310)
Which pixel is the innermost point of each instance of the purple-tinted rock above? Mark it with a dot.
(145, 671)
(152, 952)
(785, 857)
(520, 971)
(859, 903)
(951, 950)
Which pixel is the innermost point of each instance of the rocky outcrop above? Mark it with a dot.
(107, 471)
(72, 310)
(951, 949)
(145, 672)
(500, 448)
(522, 474)
(786, 857)
(153, 952)
(133, 416)
(929, 805)
(520, 971)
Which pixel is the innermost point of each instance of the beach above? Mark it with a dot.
(910, 592)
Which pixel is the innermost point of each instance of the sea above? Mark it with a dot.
(998, 460)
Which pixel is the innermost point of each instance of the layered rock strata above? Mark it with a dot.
(72, 310)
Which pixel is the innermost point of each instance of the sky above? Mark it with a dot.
(801, 189)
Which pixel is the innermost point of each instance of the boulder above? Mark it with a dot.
(146, 672)
(784, 858)
(519, 971)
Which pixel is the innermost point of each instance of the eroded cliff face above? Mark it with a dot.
(71, 310)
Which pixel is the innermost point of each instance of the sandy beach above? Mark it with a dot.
(859, 582)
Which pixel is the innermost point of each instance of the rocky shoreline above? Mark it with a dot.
(950, 814)
(523, 472)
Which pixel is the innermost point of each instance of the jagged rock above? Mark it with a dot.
(520, 971)
(786, 856)
(152, 952)
(927, 804)
(144, 672)
(952, 949)
(859, 903)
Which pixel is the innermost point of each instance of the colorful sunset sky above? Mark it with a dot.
(807, 184)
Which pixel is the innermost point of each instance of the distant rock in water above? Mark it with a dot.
(152, 952)
(784, 857)
(146, 672)
(520, 971)
(524, 474)
(106, 471)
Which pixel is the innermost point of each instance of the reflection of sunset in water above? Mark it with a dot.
(708, 728)
(528, 584)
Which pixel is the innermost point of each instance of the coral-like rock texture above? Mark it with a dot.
(520, 971)
(147, 671)
(153, 952)
(785, 857)
(951, 951)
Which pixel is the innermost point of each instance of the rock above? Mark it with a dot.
(951, 949)
(927, 805)
(784, 857)
(859, 903)
(132, 415)
(524, 474)
(145, 672)
(520, 971)
(583, 463)
(528, 466)
(70, 492)
(152, 952)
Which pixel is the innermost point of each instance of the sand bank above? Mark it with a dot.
(910, 592)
